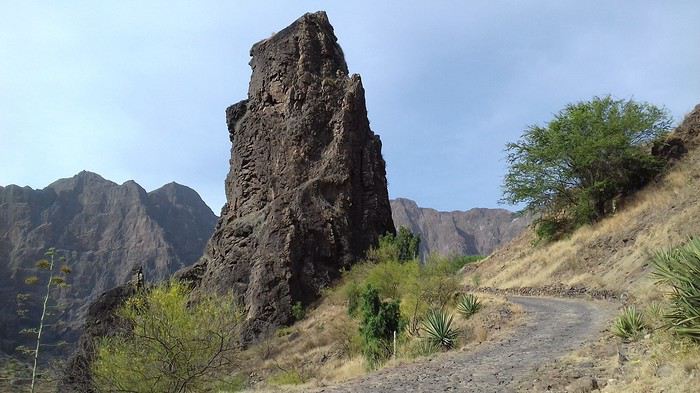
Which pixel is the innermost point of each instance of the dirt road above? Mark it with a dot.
(552, 328)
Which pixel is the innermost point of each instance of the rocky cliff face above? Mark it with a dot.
(683, 139)
(307, 191)
(471, 232)
(106, 229)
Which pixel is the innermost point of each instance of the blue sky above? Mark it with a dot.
(137, 90)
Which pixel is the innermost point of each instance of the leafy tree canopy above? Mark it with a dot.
(570, 170)
(404, 246)
(175, 346)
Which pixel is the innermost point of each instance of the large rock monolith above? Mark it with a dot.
(307, 190)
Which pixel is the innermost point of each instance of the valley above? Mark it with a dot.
(311, 279)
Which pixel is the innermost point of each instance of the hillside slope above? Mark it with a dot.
(613, 253)
(472, 232)
(107, 229)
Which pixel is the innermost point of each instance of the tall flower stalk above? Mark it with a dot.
(48, 263)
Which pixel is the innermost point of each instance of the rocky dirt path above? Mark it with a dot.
(552, 328)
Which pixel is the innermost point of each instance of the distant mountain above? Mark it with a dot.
(106, 229)
(473, 232)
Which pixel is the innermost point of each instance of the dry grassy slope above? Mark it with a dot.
(320, 347)
(614, 253)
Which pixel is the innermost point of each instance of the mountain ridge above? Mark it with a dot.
(477, 231)
(105, 229)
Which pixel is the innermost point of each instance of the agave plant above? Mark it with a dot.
(629, 324)
(654, 313)
(438, 326)
(655, 310)
(468, 305)
(679, 268)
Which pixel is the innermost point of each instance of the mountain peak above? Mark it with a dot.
(107, 229)
(80, 180)
(280, 242)
(178, 193)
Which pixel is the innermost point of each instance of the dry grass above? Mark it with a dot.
(496, 319)
(320, 348)
(308, 348)
(659, 363)
(614, 253)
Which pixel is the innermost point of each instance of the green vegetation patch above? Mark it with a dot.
(571, 171)
(630, 324)
(679, 269)
(174, 344)
(389, 294)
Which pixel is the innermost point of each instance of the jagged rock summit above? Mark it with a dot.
(104, 229)
(307, 190)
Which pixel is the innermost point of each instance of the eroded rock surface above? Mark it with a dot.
(307, 191)
(104, 229)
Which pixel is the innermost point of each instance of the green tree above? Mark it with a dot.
(174, 346)
(570, 170)
(404, 246)
(408, 244)
(380, 321)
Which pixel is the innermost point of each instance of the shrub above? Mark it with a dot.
(458, 262)
(418, 287)
(409, 288)
(549, 229)
(288, 377)
(173, 346)
(438, 326)
(352, 293)
(298, 311)
(437, 281)
(416, 348)
(679, 268)
(402, 247)
(380, 320)
(408, 244)
(391, 277)
(629, 324)
(432, 286)
(468, 305)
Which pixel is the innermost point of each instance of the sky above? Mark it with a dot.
(137, 90)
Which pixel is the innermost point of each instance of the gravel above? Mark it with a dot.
(552, 328)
